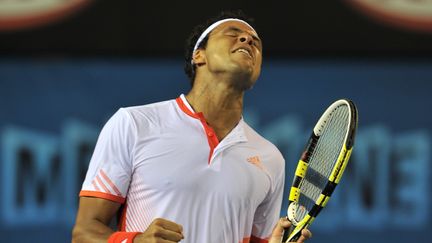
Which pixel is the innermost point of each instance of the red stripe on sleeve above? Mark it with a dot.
(103, 196)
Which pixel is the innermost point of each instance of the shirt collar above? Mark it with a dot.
(186, 104)
(236, 135)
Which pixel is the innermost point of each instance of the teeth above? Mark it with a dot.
(243, 50)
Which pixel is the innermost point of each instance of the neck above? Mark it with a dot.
(221, 104)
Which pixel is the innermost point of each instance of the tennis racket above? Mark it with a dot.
(321, 166)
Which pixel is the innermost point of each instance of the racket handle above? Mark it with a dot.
(287, 233)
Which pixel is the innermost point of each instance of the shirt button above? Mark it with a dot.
(210, 134)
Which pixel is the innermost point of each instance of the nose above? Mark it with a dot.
(245, 38)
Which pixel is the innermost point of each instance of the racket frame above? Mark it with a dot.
(334, 178)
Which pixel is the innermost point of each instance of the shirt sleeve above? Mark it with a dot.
(268, 212)
(111, 166)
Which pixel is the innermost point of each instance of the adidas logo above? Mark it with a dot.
(256, 161)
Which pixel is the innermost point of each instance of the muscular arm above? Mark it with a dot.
(93, 218)
(95, 214)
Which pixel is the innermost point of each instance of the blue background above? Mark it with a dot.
(55, 108)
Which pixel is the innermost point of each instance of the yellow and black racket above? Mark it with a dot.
(321, 165)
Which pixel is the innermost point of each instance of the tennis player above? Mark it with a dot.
(190, 169)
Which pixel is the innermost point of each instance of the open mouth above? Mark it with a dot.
(245, 51)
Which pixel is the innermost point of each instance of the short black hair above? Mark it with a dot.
(189, 68)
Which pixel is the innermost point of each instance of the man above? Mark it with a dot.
(190, 169)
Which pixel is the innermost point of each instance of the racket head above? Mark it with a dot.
(322, 164)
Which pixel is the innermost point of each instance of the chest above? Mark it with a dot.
(177, 163)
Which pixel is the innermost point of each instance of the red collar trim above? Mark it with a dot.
(210, 133)
(186, 109)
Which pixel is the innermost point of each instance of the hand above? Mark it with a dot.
(161, 231)
(278, 231)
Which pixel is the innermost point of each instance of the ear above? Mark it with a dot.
(199, 57)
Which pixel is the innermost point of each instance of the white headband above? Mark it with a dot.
(212, 27)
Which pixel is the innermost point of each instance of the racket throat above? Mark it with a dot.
(292, 233)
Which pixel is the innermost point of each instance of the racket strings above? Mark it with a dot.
(330, 142)
(322, 159)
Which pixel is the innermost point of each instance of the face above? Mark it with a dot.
(235, 48)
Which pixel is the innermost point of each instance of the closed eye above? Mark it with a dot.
(232, 34)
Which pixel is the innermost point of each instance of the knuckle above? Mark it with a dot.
(157, 220)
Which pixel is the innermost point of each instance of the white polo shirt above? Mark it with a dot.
(163, 161)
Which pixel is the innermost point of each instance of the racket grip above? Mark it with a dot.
(287, 233)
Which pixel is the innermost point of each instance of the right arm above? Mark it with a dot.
(93, 218)
(112, 162)
(95, 214)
